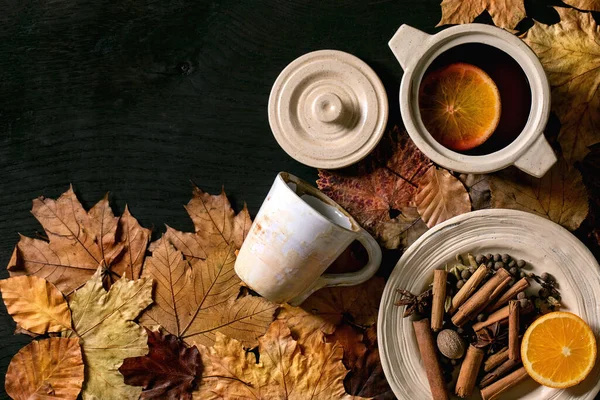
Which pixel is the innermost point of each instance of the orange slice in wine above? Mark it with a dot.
(460, 106)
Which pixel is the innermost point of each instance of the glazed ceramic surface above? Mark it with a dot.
(296, 235)
(328, 109)
(544, 245)
(416, 50)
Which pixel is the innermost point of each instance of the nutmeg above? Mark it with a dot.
(450, 344)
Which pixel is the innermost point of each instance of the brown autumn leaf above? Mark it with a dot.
(559, 195)
(478, 186)
(215, 224)
(136, 239)
(586, 5)
(170, 370)
(285, 370)
(505, 13)
(379, 192)
(361, 357)
(327, 308)
(570, 54)
(193, 302)
(35, 304)
(441, 196)
(79, 242)
(44, 369)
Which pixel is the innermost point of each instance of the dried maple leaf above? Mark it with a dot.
(441, 196)
(169, 371)
(103, 321)
(380, 187)
(361, 357)
(329, 307)
(48, 368)
(215, 224)
(505, 13)
(559, 195)
(35, 304)
(586, 5)
(79, 242)
(136, 239)
(284, 372)
(570, 54)
(195, 301)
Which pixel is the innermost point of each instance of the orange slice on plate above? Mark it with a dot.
(460, 106)
(559, 350)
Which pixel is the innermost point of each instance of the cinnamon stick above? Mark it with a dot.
(482, 298)
(439, 299)
(468, 372)
(468, 288)
(495, 389)
(498, 373)
(495, 359)
(512, 292)
(428, 352)
(514, 348)
(498, 316)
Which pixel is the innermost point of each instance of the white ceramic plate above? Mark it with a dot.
(546, 246)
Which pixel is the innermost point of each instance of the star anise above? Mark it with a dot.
(492, 337)
(420, 303)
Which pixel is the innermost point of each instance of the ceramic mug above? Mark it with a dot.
(296, 235)
(416, 50)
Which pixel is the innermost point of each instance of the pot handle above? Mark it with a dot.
(348, 278)
(408, 44)
(538, 159)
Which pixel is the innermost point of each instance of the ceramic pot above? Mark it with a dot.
(416, 50)
(296, 235)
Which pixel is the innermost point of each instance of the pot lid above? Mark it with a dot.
(328, 109)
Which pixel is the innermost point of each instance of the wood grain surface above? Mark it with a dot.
(140, 97)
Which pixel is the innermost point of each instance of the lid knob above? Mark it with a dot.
(327, 107)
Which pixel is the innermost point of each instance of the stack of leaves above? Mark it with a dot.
(197, 322)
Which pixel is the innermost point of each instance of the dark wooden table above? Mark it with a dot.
(140, 97)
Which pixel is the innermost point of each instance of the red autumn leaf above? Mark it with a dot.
(379, 191)
(169, 371)
(361, 357)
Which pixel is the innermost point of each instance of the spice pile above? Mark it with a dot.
(479, 310)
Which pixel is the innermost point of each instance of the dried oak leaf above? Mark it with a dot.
(44, 369)
(193, 302)
(171, 370)
(79, 242)
(441, 196)
(327, 308)
(559, 195)
(215, 224)
(103, 321)
(284, 371)
(361, 357)
(505, 13)
(35, 304)
(377, 189)
(570, 54)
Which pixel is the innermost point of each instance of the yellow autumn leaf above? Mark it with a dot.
(35, 304)
(194, 301)
(285, 370)
(46, 369)
(588, 5)
(103, 321)
(570, 54)
(505, 13)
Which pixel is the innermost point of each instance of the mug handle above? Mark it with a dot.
(408, 44)
(348, 278)
(538, 159)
